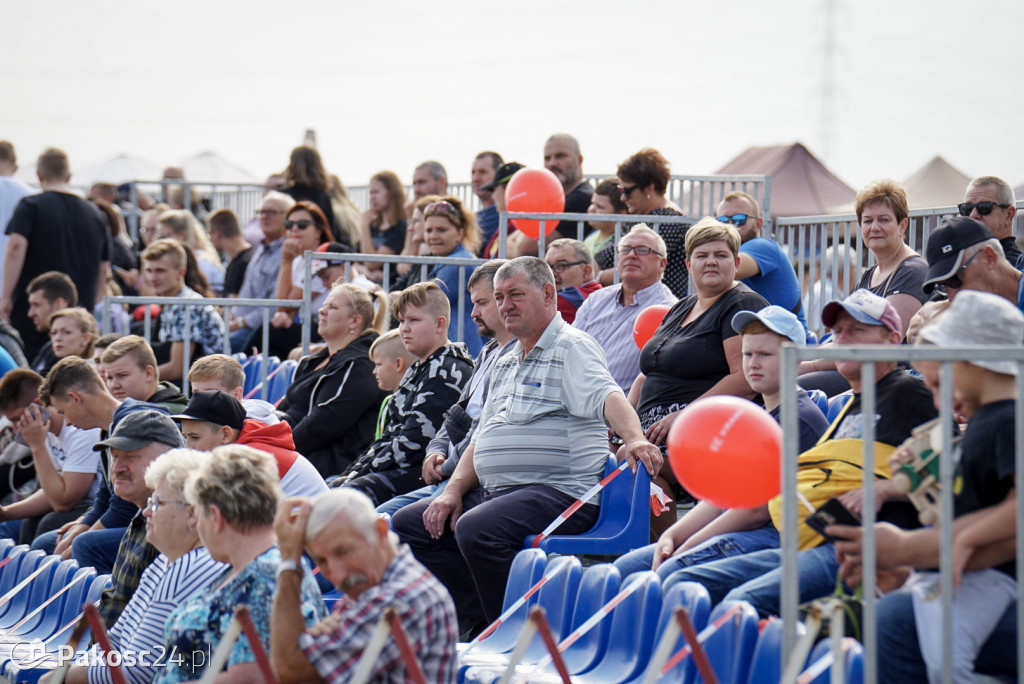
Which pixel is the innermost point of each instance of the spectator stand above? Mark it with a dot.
(242, 198)
(806, 238)
(868, 356)
(223, 302)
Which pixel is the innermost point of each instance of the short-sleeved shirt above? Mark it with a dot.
(544, 417)
(207, 327)
(71, 452)
(425, 610)
(776, 281)
(393, 238)
(682, 362)
(139, 630)
(197, 626)
(811, 420)
(610, 322)
(985, 472)
(908, 279)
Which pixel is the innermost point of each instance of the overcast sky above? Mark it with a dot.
(387, 84)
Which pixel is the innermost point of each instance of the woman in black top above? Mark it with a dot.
(643, 182)
(695, 352)
(306, 179)
(383, 227)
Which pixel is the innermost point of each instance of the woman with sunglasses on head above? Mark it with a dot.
(643, 182)
(695, 352)
(450, 230)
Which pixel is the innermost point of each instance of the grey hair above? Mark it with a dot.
(574, 144)
(536, 271)
(1004, 191)
(286, 200)
(994, 243)
(839, 253)
(355, 506)
(485, 271)
(435, 168)
(581, 251)
(173, 468)
(644, 229)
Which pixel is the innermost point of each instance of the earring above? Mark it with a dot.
(351, 330)
(648, 195)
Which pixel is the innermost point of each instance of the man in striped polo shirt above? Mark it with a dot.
(541, 444)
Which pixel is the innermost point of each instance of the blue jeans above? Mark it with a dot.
(10, 529)
(716, 548)
(392, 506)
(899, 658)
(239, 338)
(756, 577)
(47, 541)
(97, 549)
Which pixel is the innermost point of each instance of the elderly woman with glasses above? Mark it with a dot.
(695, 352)
(234, 494)
(643, 182)
(183, 568)
(450, 230)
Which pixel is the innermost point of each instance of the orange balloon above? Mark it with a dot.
(647, 321)
(727, 450)
(535, 191)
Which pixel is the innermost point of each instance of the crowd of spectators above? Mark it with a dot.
(471, 406)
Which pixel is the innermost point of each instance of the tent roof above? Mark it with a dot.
(936, 184)
(118, 169)
(210, 167)
(801, 185)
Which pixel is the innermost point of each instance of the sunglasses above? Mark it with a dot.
(443, 207)
(641, 250)
(984, 208)
(627, 190)
(301, 225)
(954, 281)
(735, 219)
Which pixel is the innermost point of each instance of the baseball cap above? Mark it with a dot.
(334, 247)
(214, 406)
(503, 175)
(776, 319)
(946, 245)
(139, 429)
(866, 307)
(978, 318)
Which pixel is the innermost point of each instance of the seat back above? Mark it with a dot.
(623, 518)
(695, 598)
(853, 661)
(15, 607)
(557, 597)
(43, 608)
(71, 604)
(731, 648)
(836, 404)
(598, 585)
(634, 623)
(527, 569)
(766, 662)
(820, 400)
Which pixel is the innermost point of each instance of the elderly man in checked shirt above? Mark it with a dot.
(359, 555)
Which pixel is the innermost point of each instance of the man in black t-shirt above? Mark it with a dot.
(991, 200)
(55, 230)
(562, 157)
(226, 236)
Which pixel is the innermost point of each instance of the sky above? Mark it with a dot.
(388, 84)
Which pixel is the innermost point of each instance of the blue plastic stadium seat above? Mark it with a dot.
(623, 519)
(766, 663)
(278, 384)
(836, 404)
(14, 609)
(527, 569)
(853, 658)
(731, 648)
(692, 596)
(820, 400)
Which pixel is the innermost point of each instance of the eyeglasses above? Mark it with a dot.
(154, 502)
(641, 250)
(268, 212)
(301, 225)
(984, 208)
(560, 266)
(954, 281)
(735, 219)
(627, 190)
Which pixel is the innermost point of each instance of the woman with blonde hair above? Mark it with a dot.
(73, 332)
(346, 212)
(234, 495)
(333, 400)
(181, 226)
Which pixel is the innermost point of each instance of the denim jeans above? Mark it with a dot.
(899, 657)
(716, 548)
(10, 529)
(392, 506)
(756, 577)
(97, 549)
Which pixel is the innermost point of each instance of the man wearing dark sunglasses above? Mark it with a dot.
(990, 200)
(963, 255)
(764, 266)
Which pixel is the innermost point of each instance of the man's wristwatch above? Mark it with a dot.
(288, 565)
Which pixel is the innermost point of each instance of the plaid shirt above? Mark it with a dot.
(427, 615)
(207, 327)
(133, 557)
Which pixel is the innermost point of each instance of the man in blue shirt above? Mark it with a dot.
(764, 266)
(482, 174)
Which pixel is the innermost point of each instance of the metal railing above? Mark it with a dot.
(425, 264)
(869, 356)
(270, 304)
(242, 198)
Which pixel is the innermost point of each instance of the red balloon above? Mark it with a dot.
(535, 191)
(647, 321)
(727, 450)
